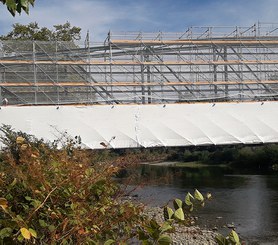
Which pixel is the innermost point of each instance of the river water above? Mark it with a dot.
(247, 201)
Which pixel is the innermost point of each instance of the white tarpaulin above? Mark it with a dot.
(123, 126)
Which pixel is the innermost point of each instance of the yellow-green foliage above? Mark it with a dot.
(51, 196)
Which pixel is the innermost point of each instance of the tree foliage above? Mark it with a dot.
(16, 6)
(32, 31)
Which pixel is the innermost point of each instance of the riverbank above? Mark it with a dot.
(261, 158)
(183, 235)
(239, 198)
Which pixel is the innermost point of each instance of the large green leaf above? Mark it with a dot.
(164, 240)
(168, 213)
(109, 242)
(153, 229)
(166, 226)
(198, 195)
(221, 240)
(24, 3)
(6, 232)
(234, 237)
(188, 199)
(42, 223)
(51, 228)
(154, 224)
(15, 6)
(20, 238)
(33, 232)
(28, 198)
(179, 214)
(35, 203)
(177, 203)
(13, 183)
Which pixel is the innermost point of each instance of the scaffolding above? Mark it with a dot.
(201, 64)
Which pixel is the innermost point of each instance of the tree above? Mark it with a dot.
(66, 33)
(16, 6)
(32, 31)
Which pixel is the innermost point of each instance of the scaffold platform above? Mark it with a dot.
(202, 64)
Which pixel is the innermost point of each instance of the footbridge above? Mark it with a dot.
(207, 85)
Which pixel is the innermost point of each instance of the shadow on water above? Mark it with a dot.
(250, 202)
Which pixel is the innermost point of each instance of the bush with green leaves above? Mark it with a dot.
(231, 239)
(60, 196)
(152, 233)
(182, 212)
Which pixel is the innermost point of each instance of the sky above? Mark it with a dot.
(100, 16)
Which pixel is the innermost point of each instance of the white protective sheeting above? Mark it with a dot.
(124, 126)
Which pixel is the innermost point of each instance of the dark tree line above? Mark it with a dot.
(32, 31)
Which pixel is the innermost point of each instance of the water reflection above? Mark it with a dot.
(248, 201)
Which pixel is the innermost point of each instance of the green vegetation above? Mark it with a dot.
(17, 6)
(51, 196)
(32, 31)
(71, 196)
(153, 233)
(257, 157)
(231, 239)
(183, 209)
(263, 158)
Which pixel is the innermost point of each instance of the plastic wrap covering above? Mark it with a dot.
(126, 126)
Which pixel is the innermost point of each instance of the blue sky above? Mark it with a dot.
(100, 16)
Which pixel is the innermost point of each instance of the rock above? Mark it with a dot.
(231, 226)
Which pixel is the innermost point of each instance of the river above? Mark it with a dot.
(247, 201)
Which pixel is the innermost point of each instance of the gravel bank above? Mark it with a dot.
(193, 235)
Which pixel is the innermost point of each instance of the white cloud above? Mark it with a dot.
(146, 15)
(96, 16)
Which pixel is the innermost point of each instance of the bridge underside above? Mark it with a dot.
(163, 125)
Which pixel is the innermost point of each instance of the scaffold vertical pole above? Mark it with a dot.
(110, 60)
(214, 70)
(57, 72)
(226, 78)
(35, 72)
(142, 70)
(89, 74)
(1, 98)
(148, 70)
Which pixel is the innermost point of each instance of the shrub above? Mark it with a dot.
(57, 196)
